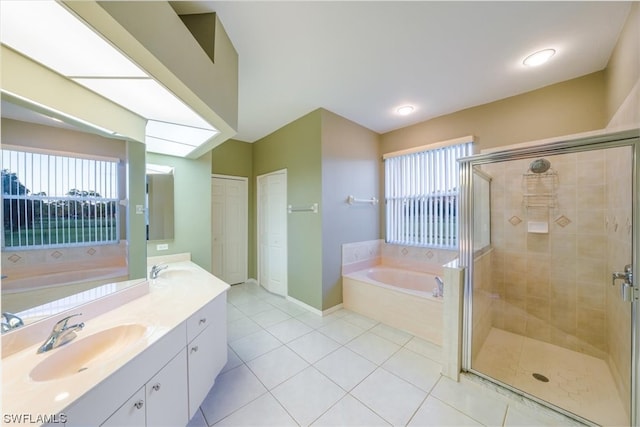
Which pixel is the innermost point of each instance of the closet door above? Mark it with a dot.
(272, 232)
(229, 200)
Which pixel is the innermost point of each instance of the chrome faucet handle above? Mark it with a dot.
(61, 334)
(157, 269)
(12, 320)
(61, 325)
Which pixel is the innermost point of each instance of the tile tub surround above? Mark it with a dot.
(343, 370)
(361, 255)
(168, 304)
(33, 269)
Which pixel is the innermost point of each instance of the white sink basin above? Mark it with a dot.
(176, 273)
(87, 352)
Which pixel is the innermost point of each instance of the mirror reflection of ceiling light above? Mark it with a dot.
(405, 110)
(48, 33)
(187, 135)
(50, 113)
(539, 57)
(159, 169)
(163, 146)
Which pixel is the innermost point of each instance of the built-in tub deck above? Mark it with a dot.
(399, 298)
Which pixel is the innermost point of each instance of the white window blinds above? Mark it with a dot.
(421, 195)
(52, 200)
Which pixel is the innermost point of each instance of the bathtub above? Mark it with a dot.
(399, 298)
(25, 282)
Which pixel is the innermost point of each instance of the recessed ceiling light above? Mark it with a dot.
(539, 57)
(405, 110)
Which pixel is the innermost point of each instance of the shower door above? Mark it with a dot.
(549, 309)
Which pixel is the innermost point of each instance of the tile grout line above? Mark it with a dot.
(378, 366)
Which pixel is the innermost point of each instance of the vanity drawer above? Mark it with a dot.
(207, 315)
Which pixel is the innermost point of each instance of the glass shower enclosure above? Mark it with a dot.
(549, 240)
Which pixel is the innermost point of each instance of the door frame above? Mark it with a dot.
(245, 220)
(623, 138)
(259, 214)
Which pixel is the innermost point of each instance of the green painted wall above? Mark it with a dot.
(235, 158)
(296, 147)
(192, 208)
(136, 227)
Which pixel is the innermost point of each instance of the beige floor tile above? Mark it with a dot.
(435, 413)
(308, 395)
(264, 411)
(392, 398)
(345, 368)
(350, 412)
(481, 404)
(277, 366)
(313, 346)
(373, 347)
(418, 370)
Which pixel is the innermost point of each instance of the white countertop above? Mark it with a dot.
(180, 290)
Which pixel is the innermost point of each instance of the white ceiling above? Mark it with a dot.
(363, 59)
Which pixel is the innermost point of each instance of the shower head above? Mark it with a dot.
(539, 166)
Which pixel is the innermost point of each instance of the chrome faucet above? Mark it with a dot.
(61, 334)
(11, 321)
(438, 291)
(156, 269)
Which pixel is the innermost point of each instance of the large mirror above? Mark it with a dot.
(64, 238)
(160, 211)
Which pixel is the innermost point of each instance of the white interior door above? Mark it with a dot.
(229, 216)
(272, 232)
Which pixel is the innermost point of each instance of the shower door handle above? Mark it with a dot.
(627, 291)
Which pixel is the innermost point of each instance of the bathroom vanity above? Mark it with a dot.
(149, 362)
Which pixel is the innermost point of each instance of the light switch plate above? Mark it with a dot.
(162, 247)
(139, 209)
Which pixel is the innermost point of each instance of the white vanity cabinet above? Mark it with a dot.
(167, 382)
(106, 399)
(161, 402)
(206, 350)
(166, 395)
(131, 414)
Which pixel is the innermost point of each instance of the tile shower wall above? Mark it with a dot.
(618, 220)
(485, 303)
(552, 286)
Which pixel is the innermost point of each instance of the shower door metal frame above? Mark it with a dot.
(627, 138)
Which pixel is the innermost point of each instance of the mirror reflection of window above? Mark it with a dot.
(52, 200)
(160, 211)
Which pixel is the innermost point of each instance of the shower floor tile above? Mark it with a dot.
(580, 383)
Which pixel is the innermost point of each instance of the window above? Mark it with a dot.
(54, 200)
(421, 195)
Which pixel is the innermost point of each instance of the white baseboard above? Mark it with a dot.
(304, 305)
(331, 309)
(313, 309)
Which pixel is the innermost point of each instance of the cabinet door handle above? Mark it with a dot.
(139, 404)
(203, 320)
(194, 349)
(156, 386)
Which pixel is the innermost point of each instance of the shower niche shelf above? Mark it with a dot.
(539, 189)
